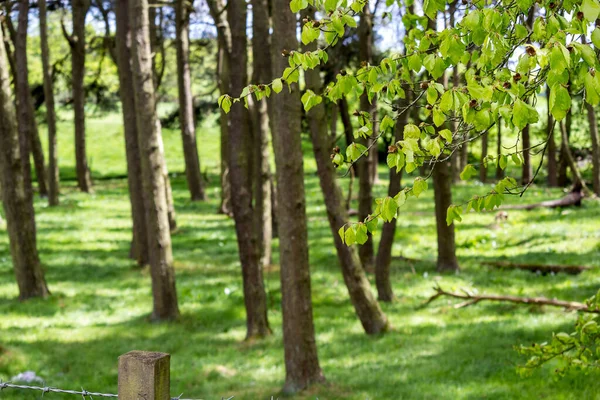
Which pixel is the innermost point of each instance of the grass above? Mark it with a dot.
(100, 301)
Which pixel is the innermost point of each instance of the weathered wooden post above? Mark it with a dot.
(144, 375)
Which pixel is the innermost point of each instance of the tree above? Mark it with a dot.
(366, 164)
(17, 194)
(53, 172)
(301, 359)
(591, 114)
(219, 15)
(261, 72)
(28, 129)
(552, 167)
(366, 307)
(77, 43)
(240, 150)
(152, 162)
(139, 241)
(186, 103)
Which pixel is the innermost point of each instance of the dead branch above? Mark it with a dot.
(572, 199)
(544, 269)
(471, 299)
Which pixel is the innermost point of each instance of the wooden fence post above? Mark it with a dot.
(144, 375)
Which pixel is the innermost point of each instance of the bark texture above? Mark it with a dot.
(77, 43)
(219, 15)
(388, 231)
(241, 187)
(28, 129)
(365, 305)
(591, 114)
(499, 171)
(17, 194)
(152, 162)
(552, 166)
(365, 165)
(484, 152)
(300, 349)
(261, 72)
(53, 172)
(139, 241)
(446, 258)
(186, 102)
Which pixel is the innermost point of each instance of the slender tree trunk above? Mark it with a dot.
(570, 160)
(139, 242)
(446, 260)
(365, 164)
(552, 167)
(165, 171)
(384, 252)
(218, 13)
(591, 114)
(262, 72)
(484, 153)
(186, 103)
(53, 172)
(17, 193)
(241, 187)
(300, 348)
(157, 45)
(527, 170)
(366, 307)
(346, 121)
(499, 171)
(152, 162)
(77, 42)
(563, 165)
(25, 112)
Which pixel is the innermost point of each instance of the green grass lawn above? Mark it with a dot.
(100, 301)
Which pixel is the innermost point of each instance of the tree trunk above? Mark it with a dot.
(262, 72)
(241, 187)
(552, 167)
(570, 160)
(591, 114)
(366, 307)
(157, 45)
(25, 112)
(365, 164)
(499, 171)
(446, 260)
(384, 252)
(300, 348)
(186, 103)
(563, 165)
(152, 162)
(17, 193)
(53, 172)
(139, 242)
(165, 172)
(77, 42)
(527, 170)
(218, 13)
(484, 153)
(346, 121)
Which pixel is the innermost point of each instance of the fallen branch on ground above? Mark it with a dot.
(544, 269)
(574, 198)
(542, 301)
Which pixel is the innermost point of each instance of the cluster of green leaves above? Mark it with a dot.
(578, 350)
(505, 66)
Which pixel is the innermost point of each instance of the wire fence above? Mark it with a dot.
(83, 393)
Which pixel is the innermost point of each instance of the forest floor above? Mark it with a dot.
(101, 301)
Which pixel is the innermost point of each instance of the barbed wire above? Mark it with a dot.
(83, 393)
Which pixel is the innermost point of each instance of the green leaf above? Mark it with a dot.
(310, 99)
(309, 33)
(502, 161)
(349, 20)
(453, 213)
(560, 102)
(386, 123)
(350, 236)
(355, 150)
(447, 135)
(591, 9)
(592, 88)
(432, 95)
(357, 6)
(523, 114)
(392, 159)
(291, 75)
(277, 85)
(516, 159)
(361, 233)
(419, 186)
(400, 198)
(447, 101)
(468, 172)
(341, 233)
(412, 131)
(438, 117)
(388, 209)
(225, 103)
(297, 5)
(330, 5)
(596, 38)
(558, 63)
(372, 223)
